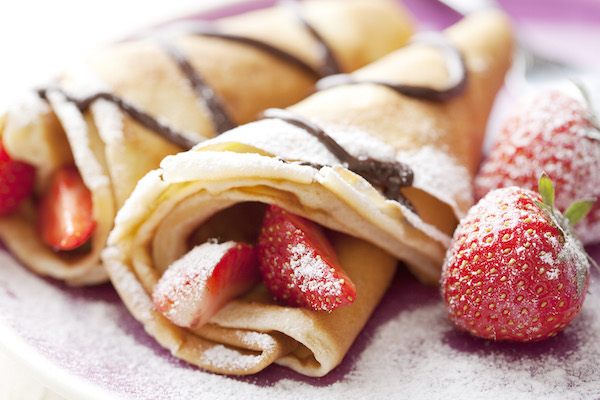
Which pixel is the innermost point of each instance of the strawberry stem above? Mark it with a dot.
(593, 262)
(592, 117)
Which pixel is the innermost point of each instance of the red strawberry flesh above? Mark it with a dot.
(299, 265)
(65, 212)
(16, 182)
(198, 285)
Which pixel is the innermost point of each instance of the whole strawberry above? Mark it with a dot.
(557, 135)
(515, 270)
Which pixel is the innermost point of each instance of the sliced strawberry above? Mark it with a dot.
(16, 182)
(65, 219)
(197, 285)
(299, 265)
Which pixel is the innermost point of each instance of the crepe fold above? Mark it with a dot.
(113, 149)
(220, 188)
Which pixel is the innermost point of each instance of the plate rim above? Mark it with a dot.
(54, 376)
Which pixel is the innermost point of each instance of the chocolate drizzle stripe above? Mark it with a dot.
(454, 61)
(334, 148)
(267, 48)
(142, 117)
(330, 63)
(390, 176)
(221, 120)
(418, 92)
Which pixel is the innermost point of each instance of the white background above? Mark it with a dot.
(39, 37)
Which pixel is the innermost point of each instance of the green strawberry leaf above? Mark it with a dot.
(578, 210)
(546, 190)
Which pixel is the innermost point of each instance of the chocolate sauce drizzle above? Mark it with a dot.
(222, 122)
(134, 112)
(330, 64)
(389, 176)
(453, 58)
(207, 30)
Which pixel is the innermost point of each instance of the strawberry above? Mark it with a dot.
(16, 182)
(197, 285)
(515, 269)
(557, 135)
(65, 216)
(299, 265)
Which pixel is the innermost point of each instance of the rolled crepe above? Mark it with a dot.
(219, 189)
(138, 89)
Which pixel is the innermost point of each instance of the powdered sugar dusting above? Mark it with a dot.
(407, 347)
(184, 285)
(294, 143)
(25, 111)
(547, 259)
(256, 339)
(77, 133)
(358, 142)
(311, 273)
(443, 178)
(548, 133)
(223, 357)
(108, 119)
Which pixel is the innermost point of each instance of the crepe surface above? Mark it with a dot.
(105, 116)
(273, 161)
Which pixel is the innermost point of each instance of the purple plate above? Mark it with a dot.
(83, 343)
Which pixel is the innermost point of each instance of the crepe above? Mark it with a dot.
(220, 188)
(105, 116)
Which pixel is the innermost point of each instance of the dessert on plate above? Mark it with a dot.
(90, 136)
(307, 211)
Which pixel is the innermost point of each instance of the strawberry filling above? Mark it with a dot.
(64, 219)
(16, 182)
(299, 265)
(291, 255)
(197, 285)
(64, 216)
(65, 212)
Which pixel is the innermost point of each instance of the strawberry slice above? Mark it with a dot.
(197, 285)
(16, 182)
(299, 265)
(65, 219)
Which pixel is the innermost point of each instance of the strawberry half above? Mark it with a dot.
(299, 265)
(197, 285)
(65, 215)
(553, 134)
(515, 270)
(16, 182)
